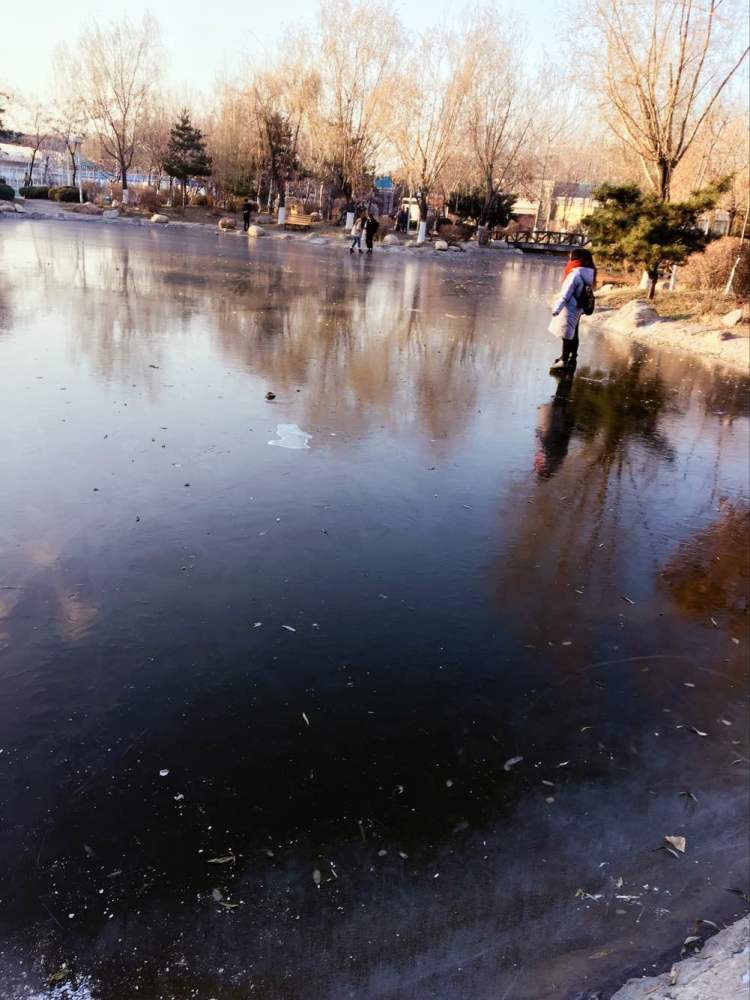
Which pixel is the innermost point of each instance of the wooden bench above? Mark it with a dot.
(303, 222)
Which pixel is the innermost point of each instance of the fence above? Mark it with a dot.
(48, 175)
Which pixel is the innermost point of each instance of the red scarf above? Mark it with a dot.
(571, 266)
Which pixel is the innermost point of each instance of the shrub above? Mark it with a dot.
(6, 192)
(710, 269)
(65, 193)
(201, 201)
(42, 191)
(92, 191)
(149, 200)
(455, 231)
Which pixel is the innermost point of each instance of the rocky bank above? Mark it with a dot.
(714, 342)
(721, 971)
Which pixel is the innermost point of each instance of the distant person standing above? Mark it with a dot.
(576, 293)
(371, 227)
(356, 234)
(247, 209)
(402, 220)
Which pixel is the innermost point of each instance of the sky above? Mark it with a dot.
(205, 41)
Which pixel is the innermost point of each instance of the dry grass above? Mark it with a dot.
(683, 304)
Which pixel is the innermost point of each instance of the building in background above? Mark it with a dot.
(570, 203)
(386, 190)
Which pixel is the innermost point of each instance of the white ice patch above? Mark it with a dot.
(290, 436)
(66, 991)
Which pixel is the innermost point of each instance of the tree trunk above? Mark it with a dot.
(282, 194)
(125, 192)
(653, 278)
(665, 179)
(733, 213)
(423, 205)
(489, 198)
(73, 164)
(31, 167)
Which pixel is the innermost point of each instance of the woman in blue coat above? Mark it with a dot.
(566, 315)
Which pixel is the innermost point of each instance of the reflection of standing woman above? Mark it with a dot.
(580, 272)
(554, 427)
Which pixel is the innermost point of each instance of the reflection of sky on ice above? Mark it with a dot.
(454, 554)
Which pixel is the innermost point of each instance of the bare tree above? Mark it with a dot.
(499, 112)
(666, 63)
(36, 133)
(721, 150)
(279, 113)
(433, 91)
(235, 143)
(4, 98)
(154, 140)
(356, 60)
(67, 119)
(118, 73)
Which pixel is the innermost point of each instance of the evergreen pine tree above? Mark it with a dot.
(282, 150)
(186, 154)
(633, 227)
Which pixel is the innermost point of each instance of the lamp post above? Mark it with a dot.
(77, 140)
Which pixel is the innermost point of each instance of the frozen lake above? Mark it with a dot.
(265, 664)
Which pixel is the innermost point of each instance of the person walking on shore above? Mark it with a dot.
(576, 295)
(246, 211)
(356, 234)
(371, 227)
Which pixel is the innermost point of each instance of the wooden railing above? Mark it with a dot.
(546, 238)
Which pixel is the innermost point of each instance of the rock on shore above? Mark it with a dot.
(719, 972)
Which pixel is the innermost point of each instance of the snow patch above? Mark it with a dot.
(290, 436)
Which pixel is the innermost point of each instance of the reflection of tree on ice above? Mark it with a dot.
(597, 442)
(708, 574)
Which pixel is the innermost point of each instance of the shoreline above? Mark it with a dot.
(53, 212)
(719, 970)
(711, 343)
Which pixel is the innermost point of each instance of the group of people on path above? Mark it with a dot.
(366, 225)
